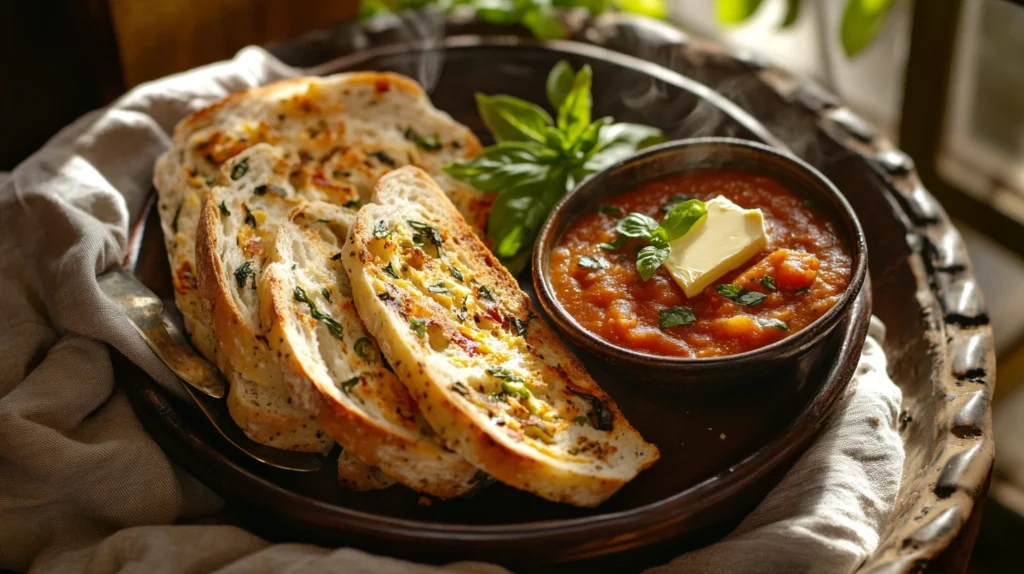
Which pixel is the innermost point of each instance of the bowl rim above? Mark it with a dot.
(570, 327)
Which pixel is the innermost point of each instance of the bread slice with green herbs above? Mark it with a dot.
(333, 366)
(489, 375)
(337, 135)
(237, 224)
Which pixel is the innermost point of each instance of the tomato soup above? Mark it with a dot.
(800, 275)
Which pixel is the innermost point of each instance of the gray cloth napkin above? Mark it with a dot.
(83, 488)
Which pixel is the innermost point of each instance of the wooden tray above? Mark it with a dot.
(705, 483)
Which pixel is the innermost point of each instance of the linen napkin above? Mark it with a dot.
(83, 488)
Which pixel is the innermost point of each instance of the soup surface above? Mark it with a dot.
(801, 273)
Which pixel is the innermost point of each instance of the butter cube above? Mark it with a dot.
(728, 236)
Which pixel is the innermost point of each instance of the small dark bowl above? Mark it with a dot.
(789, 360)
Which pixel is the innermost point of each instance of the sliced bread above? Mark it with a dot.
(334, 367)
(489, 375)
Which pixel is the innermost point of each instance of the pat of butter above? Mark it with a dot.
(721, 242)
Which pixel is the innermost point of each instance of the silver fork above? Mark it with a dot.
(203, 382)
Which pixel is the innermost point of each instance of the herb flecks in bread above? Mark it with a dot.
(490, 376)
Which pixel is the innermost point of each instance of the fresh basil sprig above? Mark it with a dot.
(677, 222)
(538, 157)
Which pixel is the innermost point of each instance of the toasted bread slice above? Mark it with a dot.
(490, 376)
(334, 367)
(337, 135)
(236, 227)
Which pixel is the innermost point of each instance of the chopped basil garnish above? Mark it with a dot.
(612, 210)
(177, 212)
(333, 326)
(769, 283)
(614, 245)
(224, 210)
(263, 189)
(427, 143)
(801, 291)
(588, 262)
(600, 416)
(346, 386)
(676, 223)
(463, 312)
(739, 295)
(364, 348)
(511, 383)
(244, 273)
(520, 326)
(456, 274)
(675, 317)
(676, 200)
(419, 326)
(383, 158)
(240, 168)
(649, 259)
(425, 233)
(248, 216)
(352, 204)
(780, 325)
(485, 294)
(390, 270)
(380, 229)
(439, 288)
(326, 294)
(460, 389)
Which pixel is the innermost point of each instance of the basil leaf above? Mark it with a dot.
(497, 11)
(588, 262)
(380, 229)
(463, 312)
(674, 201)
(326, 294)
(739, 295)
(769, 283)
(333, 326)
(732, 12)
(224, 209)
(636, 225)
(559, 83)
(682, 218)
(542, 19)
(456, 274)
(352, 204)
(588, 140)
(649, 259)
(675, 317)
(485, 294)
(390, 270)
(862, 21)
(510, 119)
(619, 141)
(801, 291)
(778, 324)
(517, 215)
(505, 166)
(792, 13)
(574, 113)
(520, 326)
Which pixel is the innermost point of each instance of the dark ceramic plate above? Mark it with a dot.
(718, 456)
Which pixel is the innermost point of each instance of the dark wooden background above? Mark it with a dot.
(62, 58)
